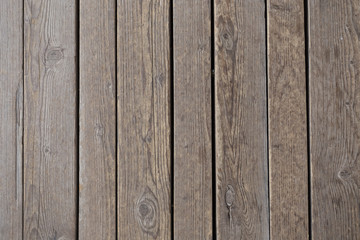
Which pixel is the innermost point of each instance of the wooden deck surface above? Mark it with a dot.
(183, 120)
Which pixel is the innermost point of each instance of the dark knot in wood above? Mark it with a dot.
(226, 40)
(53, 55)
(229, 200)
(147, 212)
(227, 34)
(344, 174)
(229, 196)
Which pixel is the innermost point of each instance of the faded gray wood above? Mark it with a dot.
(50, 141)
(143, 119)
(241, 120)
(334, 58)
(288, 180)
(97, 190)
(11, 118)
(192, 120)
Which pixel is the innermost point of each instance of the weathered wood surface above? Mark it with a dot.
(11, 115)
(143, 119)
(50, 141)
(141, 93)
(241, 120)
(192, 120)
(97, 145)
(334, 58)
(288, 172)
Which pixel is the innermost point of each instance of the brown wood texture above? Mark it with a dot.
(11, 118)
(334, 58)
(288, 171)
(192, 120)
(174, 110)
(50, 139)
(97, 146)
(143, 42)
(241, 120)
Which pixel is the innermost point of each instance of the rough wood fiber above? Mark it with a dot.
(11, 124)
(50, 120)
(192, 120)
(97, 204)
(287, 120)
(241, 120)
(335, 127)
(143, 120)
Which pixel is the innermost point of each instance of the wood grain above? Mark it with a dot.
(143, 119)
(334, 28)
(97, 195)
(241, 120)
(11, 118)
(287, 120)
(192, 120)
(50, 173)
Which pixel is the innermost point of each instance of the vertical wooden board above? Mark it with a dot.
(241, 120)
(143, 119)
(97, 190)
(50, 173)
(287, 120)
(192, 120)
(334, 30)
(11, 110)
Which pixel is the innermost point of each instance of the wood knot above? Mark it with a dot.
(344, 174)
(227, 34)
(47, 151)
(226, 40)
(229, 196)
(229, 200)
(147, 213)
(53, 55)
(160, 79)
(147, 139)
(99, 130)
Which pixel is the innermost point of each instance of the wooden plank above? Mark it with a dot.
(287, 120)
(97, 203)
(334, 28)
(50, 172)
(11, 118)
(241, 120)
(192, 120)
(143, 120)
